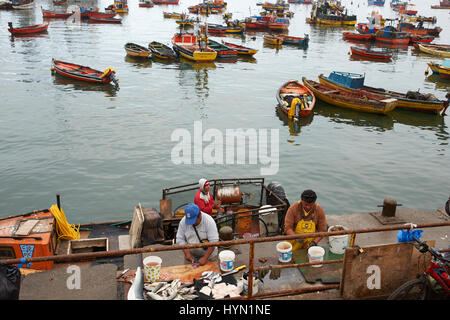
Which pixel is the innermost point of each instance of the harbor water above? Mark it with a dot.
(106, 149)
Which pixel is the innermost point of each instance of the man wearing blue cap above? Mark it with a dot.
(197, 227)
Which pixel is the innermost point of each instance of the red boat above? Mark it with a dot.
(421, 39)
(78, 72)
(28, 30)
(364, 28)
(392, 36)
(165, 1)
(369, 53)
(100, 14)
(55, 15)
(356, 36)
(104, 20)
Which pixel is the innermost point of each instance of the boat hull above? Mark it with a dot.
(433, 107)
(334, 97)
(434, 52)
(371, 54)
(162, 51)
(295, 90)
(82, 73)
(38, 28)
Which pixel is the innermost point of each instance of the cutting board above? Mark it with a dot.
(186, 273)
(327, 273)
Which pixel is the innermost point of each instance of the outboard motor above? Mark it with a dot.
(277, 189)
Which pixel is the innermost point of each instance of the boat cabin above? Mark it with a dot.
(29, 235)
(347, 79)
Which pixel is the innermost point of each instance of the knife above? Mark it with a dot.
(234, 271)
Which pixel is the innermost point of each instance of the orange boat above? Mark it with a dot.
(295, 99)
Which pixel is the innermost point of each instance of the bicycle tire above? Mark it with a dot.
(415, 289)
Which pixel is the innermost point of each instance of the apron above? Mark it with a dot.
(306, 225)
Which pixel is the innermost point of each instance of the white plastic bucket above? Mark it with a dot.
(226, 260)
(338, 243)
(315, 254)
(284, 250)
(152, 267)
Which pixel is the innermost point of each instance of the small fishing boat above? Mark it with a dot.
(296, 100)
(161, 51)
(365, 28)
(47, 14)
(83, 73)
(241, 50)
(223, 51)
(357, 100)
(38, 28)
(296, 41)
(392, 37)
(279, 24)
(356, 36)
(60, 3)
(136, 50)
(146, 4)
(444, 4)
(193, 48)
(382, 54)
(412, 100)
(441, 69)
(273, 39)
(411, 28)
(435, 51)
(104, 20)
(187, 22)
(97, 14)
(172, 15)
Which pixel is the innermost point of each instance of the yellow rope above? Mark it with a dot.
(64, 230)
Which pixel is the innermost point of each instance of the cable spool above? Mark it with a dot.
(229, 194)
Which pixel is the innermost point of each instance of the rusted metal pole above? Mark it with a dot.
(281, 293)
(250, 270)
(118, 253)
(296, 265)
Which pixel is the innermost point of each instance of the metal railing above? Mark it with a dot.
(250, 241)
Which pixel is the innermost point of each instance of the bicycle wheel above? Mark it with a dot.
(412, 290)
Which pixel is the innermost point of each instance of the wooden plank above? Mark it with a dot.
(136, 227)
(375, 271)
(165, 208)
(186, 273)
(26, 227)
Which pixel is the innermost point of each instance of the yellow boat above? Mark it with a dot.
(435, 51)
(136, 50)
(443, 69)
(404, 101)
(173, 15)
(273, 40)
(356, 100)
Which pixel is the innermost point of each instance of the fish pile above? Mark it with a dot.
(170, 290)
(217, 289)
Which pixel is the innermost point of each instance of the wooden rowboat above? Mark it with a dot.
(55, 15)
(223, 51)
(136, 50)
(296, 41)
(172, 15)
(60, 3)
(161, 51)
(241, 50)
(273, 40)
(435, 51)
(295, 99)
(104, 20)
(356, 36)
(23, 5)
(97, 14)
(38, 28)
(370, 53)
(83, 73)
(413, 101)
(356, 100)
(441, 69)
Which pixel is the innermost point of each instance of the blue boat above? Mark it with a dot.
(379, 3)
(296, 41)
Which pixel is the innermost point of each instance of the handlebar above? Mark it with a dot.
(423, 247)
